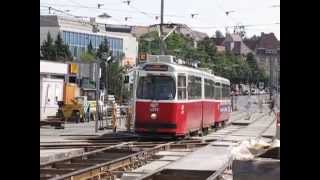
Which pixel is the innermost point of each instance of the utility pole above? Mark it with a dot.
(161, 30)
(271, 74)
(97, 95)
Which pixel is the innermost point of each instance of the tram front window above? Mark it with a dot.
(156, 87)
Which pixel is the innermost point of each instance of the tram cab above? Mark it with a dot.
(173, 99)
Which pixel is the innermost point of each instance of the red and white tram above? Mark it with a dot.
(176, 100)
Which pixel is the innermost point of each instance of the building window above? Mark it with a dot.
(64, 36)
(86, 40)
(182, 89)
(81, 37)
(94, 38)
(71, 38)
(77, 39)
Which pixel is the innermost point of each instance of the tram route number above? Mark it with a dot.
(154, 109)
(225, 108)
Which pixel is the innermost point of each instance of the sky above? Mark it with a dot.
(257, 15)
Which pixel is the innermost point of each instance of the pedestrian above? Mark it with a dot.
(88, 113)
(248, 107)
(271, 105)
(260, 103)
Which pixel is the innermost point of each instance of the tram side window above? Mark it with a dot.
(194, 87)
(209, 89)
(182, 89)
(217, 89)
(224, 91)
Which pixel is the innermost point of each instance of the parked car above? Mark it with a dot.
(262, 92)
(253, 91)
(245, 92)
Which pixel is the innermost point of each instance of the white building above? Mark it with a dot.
(78, 34)
(52, 78)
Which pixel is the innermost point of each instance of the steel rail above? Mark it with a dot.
(82, 155)
(113, 164)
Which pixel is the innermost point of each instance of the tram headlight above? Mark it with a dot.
(153, 116)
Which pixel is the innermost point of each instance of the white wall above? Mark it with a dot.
(48, 67)
(130, 48)
(51, 93)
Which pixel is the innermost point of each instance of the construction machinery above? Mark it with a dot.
(76, 110)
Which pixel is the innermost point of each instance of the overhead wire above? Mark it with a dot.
(136, 10)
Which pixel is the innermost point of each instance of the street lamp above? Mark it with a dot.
(271, 53)
(234, 100)
(104, 58)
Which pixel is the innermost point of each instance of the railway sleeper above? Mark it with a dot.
(111, 155)
(93, 160)
(73, 165)
(56, 171)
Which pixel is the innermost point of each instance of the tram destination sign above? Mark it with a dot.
(155, 67)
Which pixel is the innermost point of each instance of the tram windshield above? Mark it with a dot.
(156, 88)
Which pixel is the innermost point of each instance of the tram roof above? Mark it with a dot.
(222, 80)
(182, 68)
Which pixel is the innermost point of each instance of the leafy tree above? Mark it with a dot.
(47, 48)
(89, 55)
(90, 48)
(207, 45)
(219, 34)
(62, 50)
(150, 43)
(103, 48)
(251, 61)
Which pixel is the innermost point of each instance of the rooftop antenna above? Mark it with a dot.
(193, 15)
(228, 12)
(126, 18)
(99, 5)
(128, 2)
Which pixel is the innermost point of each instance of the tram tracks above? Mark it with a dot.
(101, 163)
(109, 158)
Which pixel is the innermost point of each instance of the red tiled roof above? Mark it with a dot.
(268, 41)
(252, 44)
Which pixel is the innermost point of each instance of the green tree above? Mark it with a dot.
(103, 49)
(252, 61)
(90, 48)
(149, 42)
(47, 48)
(89, 55)
(219, 34)
(253, 69)
(102, 53)
(62, 50)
